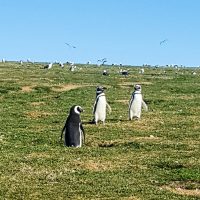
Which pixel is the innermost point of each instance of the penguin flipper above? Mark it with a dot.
(83, 132)
(62, 132)
(131, 101)
(94, 107)
(144, 105)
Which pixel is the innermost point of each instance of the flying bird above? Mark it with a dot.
(163, 41)
(69, 45)
(102, 60)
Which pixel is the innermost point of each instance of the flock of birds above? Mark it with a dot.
(101, 62)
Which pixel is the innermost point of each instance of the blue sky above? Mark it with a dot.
(123, 31)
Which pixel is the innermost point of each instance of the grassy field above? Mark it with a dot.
(157, 157)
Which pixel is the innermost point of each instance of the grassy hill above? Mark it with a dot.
(157, 157)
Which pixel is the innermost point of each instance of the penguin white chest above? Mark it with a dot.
(100, 112)
(135, 106)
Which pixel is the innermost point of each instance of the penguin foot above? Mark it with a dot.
(93, 122)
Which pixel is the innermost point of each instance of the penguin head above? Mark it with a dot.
(100, 89)
(76, 110)
(138, 87)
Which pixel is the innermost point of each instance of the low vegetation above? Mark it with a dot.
(156, 157)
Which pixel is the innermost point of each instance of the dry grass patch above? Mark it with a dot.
(186, 97)
(134, 83)
(182, 97)
(136, 125)
(143, 126)
(182, 191)
(128, 140)
(37, 103)
(27, 88)
(129, 198)
(38, 155)
(66, 87)
(93, 165)
(37, 114)
(60, 88)
(10, 79)
(143, 83)
(150, 137)
(131, 84)
(126, 83)
(124, 101)
(2, 137)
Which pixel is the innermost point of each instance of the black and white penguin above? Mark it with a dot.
(99, 109)
(136, 103)
(105, 72)
(74, 135)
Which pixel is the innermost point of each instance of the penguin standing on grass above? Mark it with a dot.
(136, 103)
(99, 109)
(74, 135)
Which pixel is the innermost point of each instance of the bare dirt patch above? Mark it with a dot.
(59, 88)
(27, 88)
(66, 87)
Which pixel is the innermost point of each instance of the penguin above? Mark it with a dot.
(136, 103)
(100, 105)
(74, 135)
(105, 72)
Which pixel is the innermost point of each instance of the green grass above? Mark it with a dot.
(156, 157)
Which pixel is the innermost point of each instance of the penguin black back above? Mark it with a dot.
(73, 129)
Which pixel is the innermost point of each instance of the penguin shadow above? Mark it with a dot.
(88, 122)
(116, 121)
(110, 121)
(60, 141)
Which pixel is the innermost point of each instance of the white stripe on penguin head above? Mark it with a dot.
(76, 109)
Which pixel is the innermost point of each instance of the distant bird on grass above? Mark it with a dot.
(141, 71)
(49, 66)
(123, 72)
(72, 67)
(105, 72)
(61, 65)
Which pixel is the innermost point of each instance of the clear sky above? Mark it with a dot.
(123, 31)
